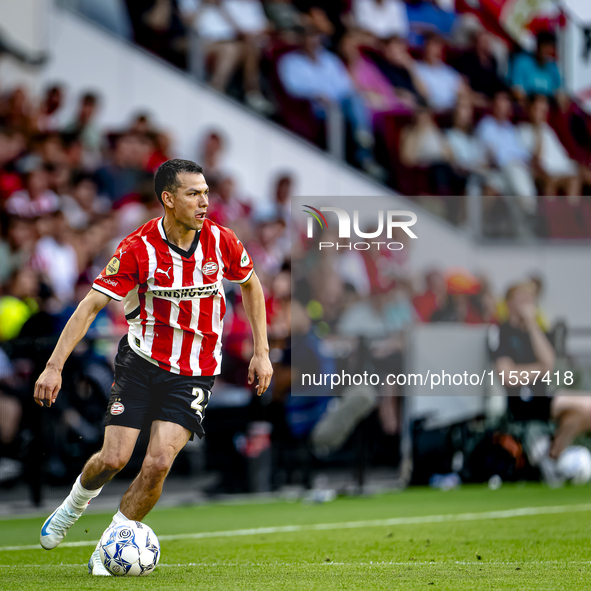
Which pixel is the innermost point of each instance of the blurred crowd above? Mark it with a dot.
(428, 108)
(69, 192)
(438, 99)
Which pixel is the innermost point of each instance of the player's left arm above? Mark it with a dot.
(253, 300)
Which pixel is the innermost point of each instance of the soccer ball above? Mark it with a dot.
(574, 464)
(130, 548)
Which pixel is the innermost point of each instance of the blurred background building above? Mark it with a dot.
(440, 107)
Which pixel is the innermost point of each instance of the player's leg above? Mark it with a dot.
(112, 458)
(572, 415)
(166, 441)
(114, 455)
(126, 411)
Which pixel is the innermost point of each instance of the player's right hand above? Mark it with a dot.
(47, 386)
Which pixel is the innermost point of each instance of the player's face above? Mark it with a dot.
(191, 200)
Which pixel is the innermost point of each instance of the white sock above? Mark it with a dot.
(79, 496)
(117, 519)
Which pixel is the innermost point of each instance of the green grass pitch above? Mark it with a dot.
(519, 537)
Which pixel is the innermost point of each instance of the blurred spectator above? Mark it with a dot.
(469, 153)
(553, 167)
(282, 197)
(480, 67)
(12, 145)
(462, 304)
(378, 94)
(10, 412)
(83, 204)
(55, 256)
(17, 307)
(158, 25)
(520, 345)
(507, 152)
(225, 207)
(443, 84)
(382, 19)
(16, 110)
(284, 16)
(400, 69)
(423, 145)
(537, 74)
(424, 16)
(279, 205)
(433, 298)
(264, 248)
(84, 126)
(211, 155)
(36, 199)
(324, 17)
(48, 116)
(314, 73)
(125, 172)
(233, 32)
(17, 247)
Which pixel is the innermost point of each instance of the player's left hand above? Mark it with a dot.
(261, 366)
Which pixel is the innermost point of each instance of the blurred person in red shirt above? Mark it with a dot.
(226, 207)
(12, 145)
(433, 298)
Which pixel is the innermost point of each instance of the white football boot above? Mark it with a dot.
(95, 565)
(57, 525)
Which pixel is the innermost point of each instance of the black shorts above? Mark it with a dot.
(143, 392)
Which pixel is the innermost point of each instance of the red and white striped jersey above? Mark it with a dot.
(174, 299)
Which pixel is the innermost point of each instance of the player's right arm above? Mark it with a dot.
(49, 383)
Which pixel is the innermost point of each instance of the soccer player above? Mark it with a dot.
(168, 274)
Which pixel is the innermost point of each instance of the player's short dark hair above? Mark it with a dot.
(166, 177)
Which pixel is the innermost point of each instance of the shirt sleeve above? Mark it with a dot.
(238, 264)
(120, 275)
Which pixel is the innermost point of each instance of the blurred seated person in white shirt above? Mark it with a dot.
(443, 85)
(513, 175)
(232, 33)
(319, 76)
(380, 19)
(552, 165)
(469, 153)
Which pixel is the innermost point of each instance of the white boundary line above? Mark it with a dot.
(452, 517)
(531, 563)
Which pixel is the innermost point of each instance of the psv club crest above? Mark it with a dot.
(209, 268)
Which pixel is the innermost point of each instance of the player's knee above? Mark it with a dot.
(156, 467)
(113, 462)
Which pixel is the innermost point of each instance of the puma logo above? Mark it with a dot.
(164, 272)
